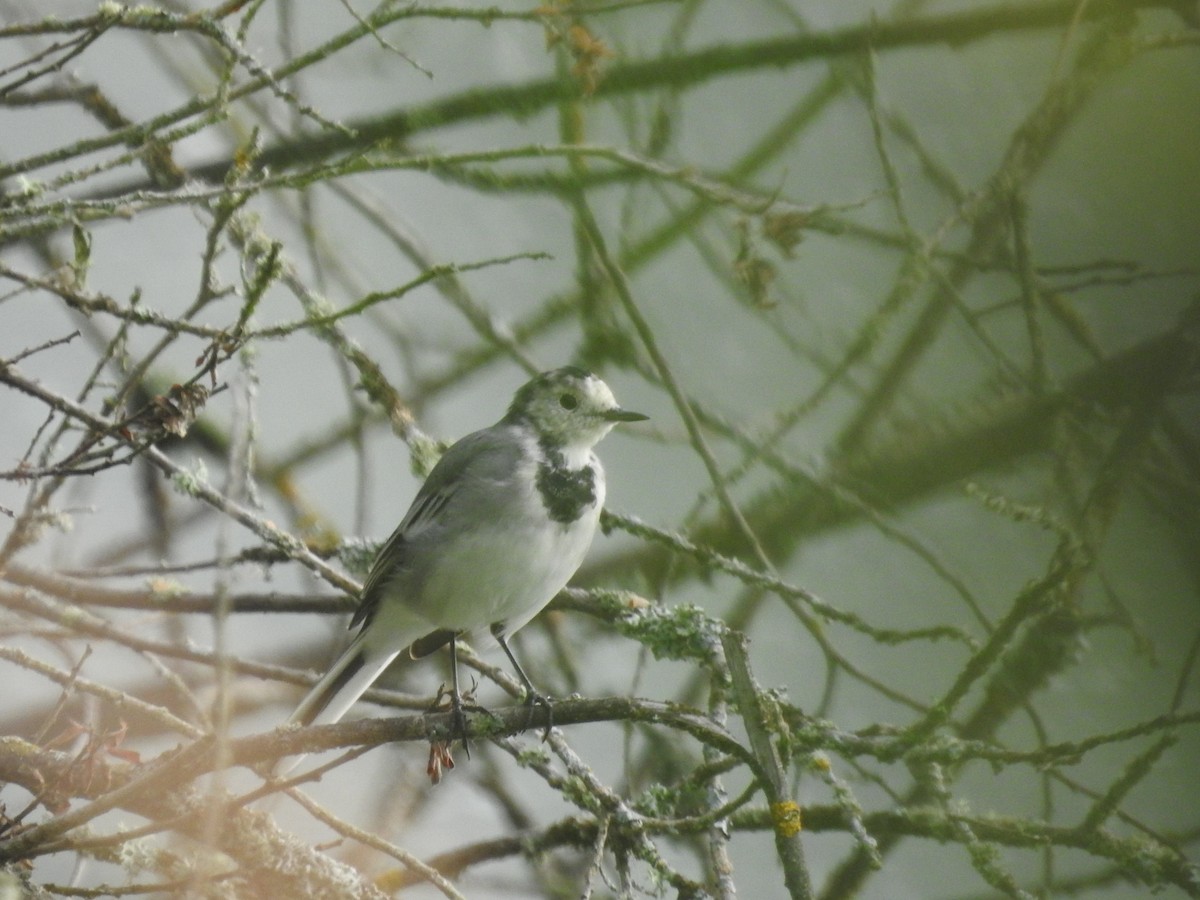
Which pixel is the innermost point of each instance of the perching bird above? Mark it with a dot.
(497, 529)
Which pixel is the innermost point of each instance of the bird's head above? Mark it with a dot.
(569, 408)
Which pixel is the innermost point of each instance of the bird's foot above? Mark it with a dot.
(457, 707)
(532, 697)
(532, 701)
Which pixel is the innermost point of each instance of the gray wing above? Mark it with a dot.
(491, 454)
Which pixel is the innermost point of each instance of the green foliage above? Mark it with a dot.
(681, 632)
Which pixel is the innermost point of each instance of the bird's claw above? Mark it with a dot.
(533, 700)
(458, 723)
(458, 715)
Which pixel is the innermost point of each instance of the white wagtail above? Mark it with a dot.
(497, 529)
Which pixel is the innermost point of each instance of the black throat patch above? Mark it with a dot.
(565, 493)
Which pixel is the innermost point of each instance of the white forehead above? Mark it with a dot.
(598, 393)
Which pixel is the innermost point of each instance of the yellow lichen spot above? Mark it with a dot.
(589, 51)
(636, 601)
(319, 537)
(165, 588)
(787, 819)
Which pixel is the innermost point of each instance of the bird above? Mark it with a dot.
(501, 523)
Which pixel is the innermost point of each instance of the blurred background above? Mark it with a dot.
(911, 301)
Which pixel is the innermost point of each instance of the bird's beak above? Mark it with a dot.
(616, 414)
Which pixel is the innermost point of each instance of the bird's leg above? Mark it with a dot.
(458, 718)
(533, 697)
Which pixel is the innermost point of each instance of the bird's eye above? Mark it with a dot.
(568, 401)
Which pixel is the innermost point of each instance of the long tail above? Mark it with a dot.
(339, 689)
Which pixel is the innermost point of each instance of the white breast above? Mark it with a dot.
(507, 570)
